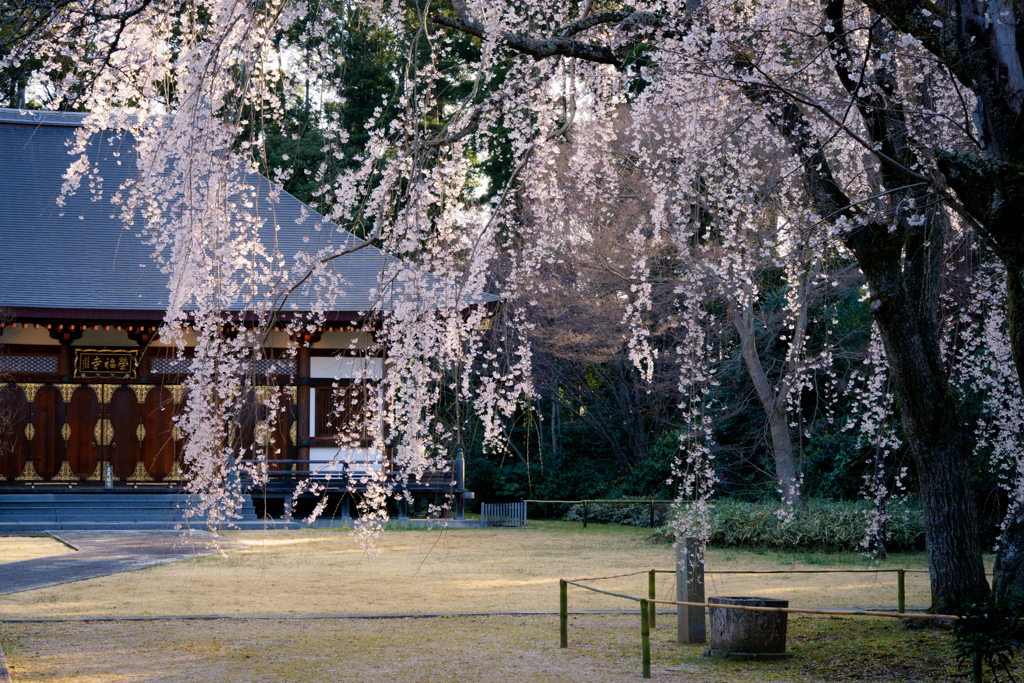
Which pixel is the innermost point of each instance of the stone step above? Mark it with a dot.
(102, 510)
(42, 527)
(170, 505)
(37, 517)
(132, 517)
(91, 504)
(61, 497)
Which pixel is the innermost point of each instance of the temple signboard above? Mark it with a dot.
(111, 363)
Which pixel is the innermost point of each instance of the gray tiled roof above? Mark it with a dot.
(81, 256)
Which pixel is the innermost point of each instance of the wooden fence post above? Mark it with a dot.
(690, 623)
(563, 612)
(652, 594)
(901, 591)
(645, 636)
(584, 514)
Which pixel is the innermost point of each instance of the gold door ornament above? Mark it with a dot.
(104, 392)
(140, 473)
(65, 432)
(65, 473)
(97, 474)
(176, 433)
(176, 473)
(293, 433)
(30, 390)
(262, 430)
(66, 391)
(177, 392)
(29, 473)
(30, 431)
(140, 432)
(103, 432)
(263, 394)
(141, 390)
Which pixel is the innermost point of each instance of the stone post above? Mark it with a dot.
(460, 484)
(690, 588)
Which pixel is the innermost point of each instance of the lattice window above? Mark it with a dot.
(180, 366)
(281, 366)
(169, 366)
(11, 363)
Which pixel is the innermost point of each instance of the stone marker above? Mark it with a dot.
(689, 588)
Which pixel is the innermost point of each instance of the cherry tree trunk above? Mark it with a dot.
(1009, 569)
(941, 448)
(785, 463)
(774, 403)
(904, 290)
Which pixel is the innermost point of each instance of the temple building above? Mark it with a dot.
(89, 391)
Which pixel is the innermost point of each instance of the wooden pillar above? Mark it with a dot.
(66, 335)
(66, 360)
(142, 336)
(302, 404)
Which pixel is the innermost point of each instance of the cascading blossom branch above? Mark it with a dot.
(200, 201)
(978, 347)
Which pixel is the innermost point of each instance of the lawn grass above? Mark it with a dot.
(480, 649)
(18, 548)
(318, 571)
(467, 570)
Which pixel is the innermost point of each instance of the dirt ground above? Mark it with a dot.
(18, 548)
(468, 570)
(490, 649)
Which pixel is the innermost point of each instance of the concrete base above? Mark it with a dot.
(744, 656)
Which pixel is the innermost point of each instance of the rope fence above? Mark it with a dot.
(648, 605)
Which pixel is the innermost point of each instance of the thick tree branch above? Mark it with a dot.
(536, 47)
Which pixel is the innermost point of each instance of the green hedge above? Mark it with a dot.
(638, 514)
(822, 525)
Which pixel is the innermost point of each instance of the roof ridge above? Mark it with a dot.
(42, 117)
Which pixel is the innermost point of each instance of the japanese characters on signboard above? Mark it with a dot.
(112, 363)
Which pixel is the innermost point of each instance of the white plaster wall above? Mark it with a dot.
(358, 459)
(30, 335)
(329, 367)
(190, 340)
(344, 340)
(101, 338)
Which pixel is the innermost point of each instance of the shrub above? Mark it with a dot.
(631, 514)
(986, 633)
(822, 525)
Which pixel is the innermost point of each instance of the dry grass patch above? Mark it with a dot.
(603, 648)
(18, 548)
(466, 570)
